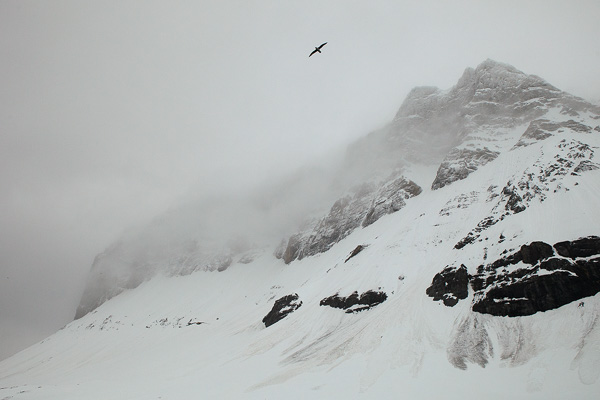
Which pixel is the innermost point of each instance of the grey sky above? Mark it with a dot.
(110, 112)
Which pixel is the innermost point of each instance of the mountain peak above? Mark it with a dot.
(493, 77)
(505, 90)
(496, 65)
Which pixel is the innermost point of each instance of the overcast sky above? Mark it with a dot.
(113, 111)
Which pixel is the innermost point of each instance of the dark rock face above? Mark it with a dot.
(355, 303)
(584, 247)
(450, 285)
(535, 251)
(537, 277)
(545, 283)
(459, 163)
(282, 307)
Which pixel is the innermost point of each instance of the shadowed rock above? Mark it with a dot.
(354, 302)
(545, 282)
(450, 285)
(282, 307)
(583, 247)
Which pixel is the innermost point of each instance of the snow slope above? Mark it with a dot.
(139, 345)
(201, 335)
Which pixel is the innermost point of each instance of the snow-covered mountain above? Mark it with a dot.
(454, 252)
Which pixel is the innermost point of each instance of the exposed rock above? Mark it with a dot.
(514, 202)
(535, 251)
(344, 216)
(391, 198)
(535, 183)
(474, 234)
(354, 302)
(282, 307)
(541, 129)
(450, 285)
(356, 250)
(459, 163)
(494, 94)
(280, 249)
(584, 247)
(538, 280)
(363, 206)
(221, 262)
(585, 165)
(292, 249)
(526, 281)
(463, 200)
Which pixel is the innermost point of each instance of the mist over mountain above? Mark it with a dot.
(461, 125)
(457, 246)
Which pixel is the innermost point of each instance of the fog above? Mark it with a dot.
(113, 113)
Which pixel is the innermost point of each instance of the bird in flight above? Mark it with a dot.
(317, 49)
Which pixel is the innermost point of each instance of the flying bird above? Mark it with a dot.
(317, 49)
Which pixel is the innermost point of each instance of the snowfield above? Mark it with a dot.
(139, 345)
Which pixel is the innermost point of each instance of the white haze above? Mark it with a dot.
(113, 112)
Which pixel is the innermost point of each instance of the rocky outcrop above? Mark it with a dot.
(432, 121)
(391, 198)
(355, 252)
(345, 215)
(535, 279)
(541, 129)
(581, 248)
(544, 176)
(355, 302)
(362, 207)
(282, 308)
(450, 285)
(459, 163)
(585, 165)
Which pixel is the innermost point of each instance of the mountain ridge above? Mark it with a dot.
(477, 116)
(468, 270)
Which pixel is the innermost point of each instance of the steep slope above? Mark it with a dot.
(484, 286)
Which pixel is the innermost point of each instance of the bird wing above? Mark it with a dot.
(322, 45)
(313, 52)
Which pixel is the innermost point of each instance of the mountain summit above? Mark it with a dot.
(455, 252)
